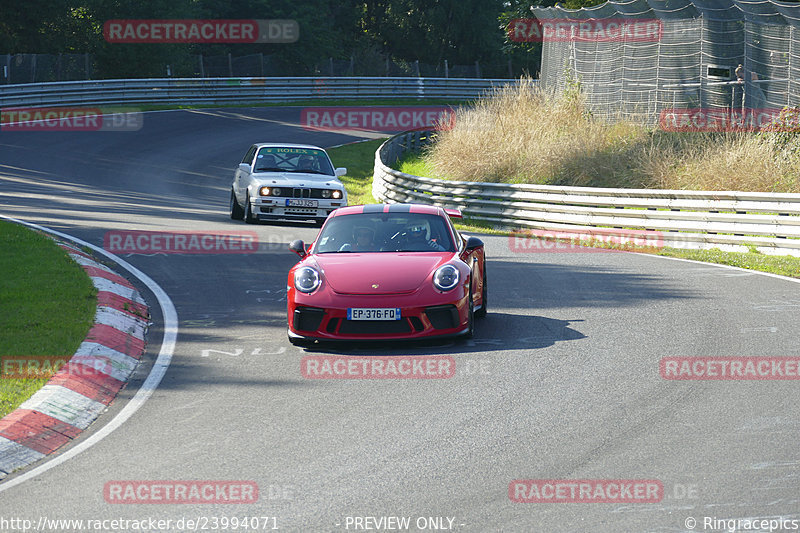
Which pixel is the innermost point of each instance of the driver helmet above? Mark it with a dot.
(267, 161)
(306, 162)
(362, 231)
(419, 229)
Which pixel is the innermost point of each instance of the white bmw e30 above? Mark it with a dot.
(286, 182)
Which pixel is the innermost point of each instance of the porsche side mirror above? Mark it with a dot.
(299, 248)
(473, 243)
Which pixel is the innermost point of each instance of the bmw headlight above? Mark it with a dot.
(306, 279)
(326, 193)
(337, 194)
(445, 278)
(276, 191)
(264, 191)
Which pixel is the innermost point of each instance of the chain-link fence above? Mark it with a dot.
(37, 68)
(259, 65)
(708, 54)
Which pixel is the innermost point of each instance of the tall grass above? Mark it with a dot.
(522, 135)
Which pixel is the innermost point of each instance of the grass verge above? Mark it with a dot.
(783, 265)
(359, 159)
(47, 305)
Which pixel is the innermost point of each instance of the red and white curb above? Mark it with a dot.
(81, 390)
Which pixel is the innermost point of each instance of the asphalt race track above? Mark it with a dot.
(561, 381)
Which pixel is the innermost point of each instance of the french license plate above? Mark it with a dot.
(369, 313)
(301, 203)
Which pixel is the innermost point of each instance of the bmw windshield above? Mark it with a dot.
(289, 159)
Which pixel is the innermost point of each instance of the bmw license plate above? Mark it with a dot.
(370, 313)
(301, 203)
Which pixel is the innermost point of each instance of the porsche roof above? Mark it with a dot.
(389, 208)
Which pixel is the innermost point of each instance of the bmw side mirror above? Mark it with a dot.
(299, 248)
(341, 171)
(473, 243)
(244, 166)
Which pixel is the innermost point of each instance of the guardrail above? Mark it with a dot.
(686, 219)
(193, 91)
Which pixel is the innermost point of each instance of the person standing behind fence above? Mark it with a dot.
(754, 96)
(737, 92)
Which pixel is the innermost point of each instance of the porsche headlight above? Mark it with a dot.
(445, 278)
(306, 279)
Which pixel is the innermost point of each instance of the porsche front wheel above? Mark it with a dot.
(480, 313)
(471, 314)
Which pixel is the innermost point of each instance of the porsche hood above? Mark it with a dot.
(379, 273)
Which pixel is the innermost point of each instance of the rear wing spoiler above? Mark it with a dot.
(453, 213)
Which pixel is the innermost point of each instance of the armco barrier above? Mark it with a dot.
(239, 90)
(687, 219)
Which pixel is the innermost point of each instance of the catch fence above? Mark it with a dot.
(691, 64)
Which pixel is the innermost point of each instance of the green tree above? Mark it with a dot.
(429, 31)
(432, 31)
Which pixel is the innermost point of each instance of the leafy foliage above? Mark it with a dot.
(430, 31)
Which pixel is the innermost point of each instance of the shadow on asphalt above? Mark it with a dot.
(495, 332)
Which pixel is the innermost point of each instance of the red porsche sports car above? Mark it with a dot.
(386, 271)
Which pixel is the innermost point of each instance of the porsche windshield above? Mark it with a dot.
(289, 159)
(385, 232)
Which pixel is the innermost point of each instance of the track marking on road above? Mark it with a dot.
(765, 329)
(716, 265)
(279, 351)
(147, 388)
(239, 351)
(778, 306)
